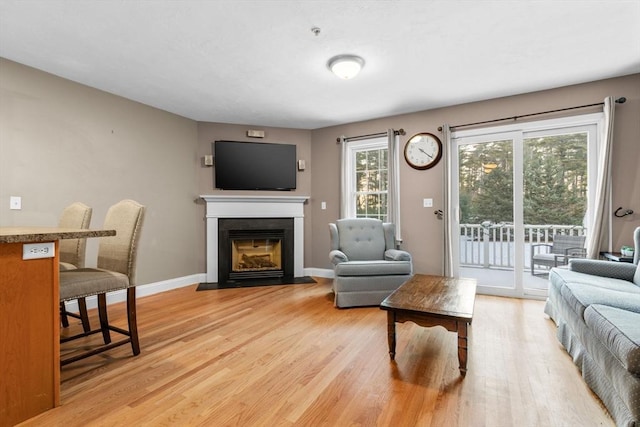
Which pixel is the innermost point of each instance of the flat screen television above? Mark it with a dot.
(254, 166)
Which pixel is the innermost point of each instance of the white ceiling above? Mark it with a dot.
(258, 62)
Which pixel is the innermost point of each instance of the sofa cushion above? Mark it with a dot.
(580, 296)
(373, 268)
(610, 269)
(559, 277)
(619, 331)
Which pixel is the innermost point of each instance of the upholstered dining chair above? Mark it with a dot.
(72, 251)
(72, 255)
(115, 271)
(366, 264)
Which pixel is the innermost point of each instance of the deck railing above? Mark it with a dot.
(490, 245)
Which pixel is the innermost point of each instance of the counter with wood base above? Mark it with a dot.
(30, 322)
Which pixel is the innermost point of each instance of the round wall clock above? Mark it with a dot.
(423, 151)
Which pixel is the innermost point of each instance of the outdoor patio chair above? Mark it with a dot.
(558, 253)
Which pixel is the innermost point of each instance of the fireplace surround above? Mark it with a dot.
(242, 207)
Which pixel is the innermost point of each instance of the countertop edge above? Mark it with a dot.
(47, 234)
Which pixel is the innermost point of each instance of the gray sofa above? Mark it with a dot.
(596, 306)
(366, 265)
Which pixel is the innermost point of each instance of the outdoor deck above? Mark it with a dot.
(486, 253)
(502, 278)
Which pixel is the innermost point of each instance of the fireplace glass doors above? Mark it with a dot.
(254, 248)
(257, 253)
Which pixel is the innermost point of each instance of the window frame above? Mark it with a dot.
(354, 147)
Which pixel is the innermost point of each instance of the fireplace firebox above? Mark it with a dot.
(254, 248)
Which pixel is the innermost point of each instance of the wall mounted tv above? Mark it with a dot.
(254, 166)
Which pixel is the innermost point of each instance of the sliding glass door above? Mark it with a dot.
(555, 196)
(515, 188)
(486, 209)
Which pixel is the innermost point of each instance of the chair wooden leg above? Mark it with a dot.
(104, 320)
(84, 315)
(132, 319)
(64, 319)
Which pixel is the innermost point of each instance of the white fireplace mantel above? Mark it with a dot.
(254, 207)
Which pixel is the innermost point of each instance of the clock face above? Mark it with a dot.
(423, 151)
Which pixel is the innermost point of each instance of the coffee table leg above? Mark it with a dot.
(462, 347)
(391, 333)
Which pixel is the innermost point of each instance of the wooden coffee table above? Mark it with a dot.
(432, 301)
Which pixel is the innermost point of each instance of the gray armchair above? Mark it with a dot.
(367, 266)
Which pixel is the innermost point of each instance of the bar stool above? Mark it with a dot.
(72, 256)
(116, 270)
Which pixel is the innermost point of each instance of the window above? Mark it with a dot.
(368, 179)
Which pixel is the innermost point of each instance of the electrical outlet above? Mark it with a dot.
(427, 203)
(38, 250)
(323, 205)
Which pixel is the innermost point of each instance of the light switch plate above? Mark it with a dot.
(15, 202)
(427, 203)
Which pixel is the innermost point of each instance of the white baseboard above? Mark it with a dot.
(144, 290)
(319, 272)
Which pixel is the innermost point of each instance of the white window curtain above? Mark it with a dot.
(344, 181)
(600, 233)
(393, 191)
(448, 203)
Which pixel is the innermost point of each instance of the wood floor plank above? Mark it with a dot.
(284, 356)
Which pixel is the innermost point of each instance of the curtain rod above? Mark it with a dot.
(620, 100)
(371, 135)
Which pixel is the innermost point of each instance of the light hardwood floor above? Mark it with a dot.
(284, 356)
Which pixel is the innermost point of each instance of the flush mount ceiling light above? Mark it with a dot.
(346, 66)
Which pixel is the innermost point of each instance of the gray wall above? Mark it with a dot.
(210, 132)
(423, 234)
(62, 142)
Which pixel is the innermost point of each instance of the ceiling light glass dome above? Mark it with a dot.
(346, 66)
